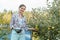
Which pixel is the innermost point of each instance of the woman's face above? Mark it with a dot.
(22, 9)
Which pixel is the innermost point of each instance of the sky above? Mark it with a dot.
(14, 4)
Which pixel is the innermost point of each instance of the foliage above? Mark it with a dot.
(46, 22)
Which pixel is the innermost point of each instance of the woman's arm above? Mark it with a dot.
(27, 28)
(12, 22)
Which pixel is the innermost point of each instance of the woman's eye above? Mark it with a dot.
(23, 8)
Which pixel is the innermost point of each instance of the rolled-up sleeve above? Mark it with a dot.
(26, 28)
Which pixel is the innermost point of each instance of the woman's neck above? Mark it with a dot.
(21, 15)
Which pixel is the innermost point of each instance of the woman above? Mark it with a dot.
(18, 24)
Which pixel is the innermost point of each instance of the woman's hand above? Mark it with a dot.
(32, 29)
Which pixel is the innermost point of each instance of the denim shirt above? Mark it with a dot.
(18, 23)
